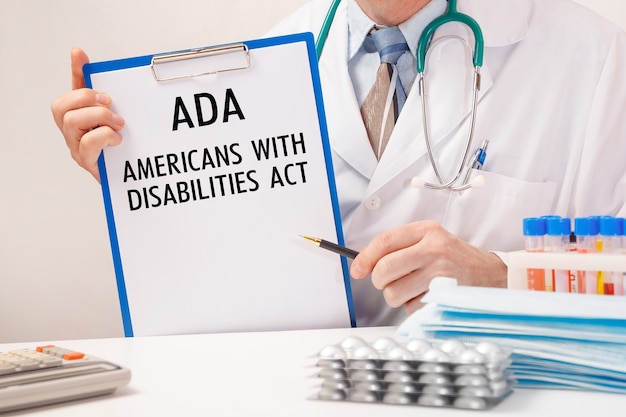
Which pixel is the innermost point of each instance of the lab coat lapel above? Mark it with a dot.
(448, 85)
(449, 101)
(449, 74)
(349, 138)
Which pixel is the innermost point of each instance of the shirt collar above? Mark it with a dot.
(359, 24)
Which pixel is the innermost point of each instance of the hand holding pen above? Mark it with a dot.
(416, 253)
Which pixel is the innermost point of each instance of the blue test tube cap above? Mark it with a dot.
(582, 226)
(594, 225)
(566, 226)
(609, 226)
(553, 225)
(534, 226)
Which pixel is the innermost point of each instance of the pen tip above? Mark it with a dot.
(310, 239)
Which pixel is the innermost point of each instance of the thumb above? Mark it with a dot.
(79, 58)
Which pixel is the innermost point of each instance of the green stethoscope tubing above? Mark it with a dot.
(451, 15)
(328, 21)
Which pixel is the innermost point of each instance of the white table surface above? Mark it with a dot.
(266, 374)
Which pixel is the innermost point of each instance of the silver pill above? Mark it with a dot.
(363, 364)
(438, 390)
(471, 381)
(473, 403)
(332, 352)
(365, 352)
(368, 386)
(384, 344)
(398, 398)
(475, 392)
(432, 400)
(472, 356)
(399, 387)
(433, 368)
(364, 375)
(399, 376)
(330, 373)
(336, 384)
(352, 342)
(434, 379)
(436, 355)
(331, 394)
(396, 365)
(331, 363)
(417, 347)
(452, 347)
(364, 396)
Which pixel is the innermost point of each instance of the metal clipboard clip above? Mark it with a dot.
(177, 65)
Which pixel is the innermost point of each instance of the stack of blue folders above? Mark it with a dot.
(558, 340)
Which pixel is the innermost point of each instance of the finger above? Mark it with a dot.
(399, 264)
(414, 304)
(77, 99)
(404, 289)
(77, 123)
(386, 243)
(91, 146)
(79, 58)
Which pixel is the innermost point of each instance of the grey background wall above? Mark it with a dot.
(56, 274)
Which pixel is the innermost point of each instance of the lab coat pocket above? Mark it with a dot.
(491, 216)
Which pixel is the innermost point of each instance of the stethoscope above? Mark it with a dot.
(451, 15)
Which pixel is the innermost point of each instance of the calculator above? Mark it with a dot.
(52, 374)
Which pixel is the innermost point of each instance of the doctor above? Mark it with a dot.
(552, 105)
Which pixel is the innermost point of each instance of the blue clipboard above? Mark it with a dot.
(173, 137)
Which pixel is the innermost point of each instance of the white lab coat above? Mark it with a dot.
(552, 104)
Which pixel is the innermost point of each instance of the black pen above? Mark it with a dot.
(333, 247)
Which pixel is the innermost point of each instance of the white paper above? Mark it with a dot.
(232, 260)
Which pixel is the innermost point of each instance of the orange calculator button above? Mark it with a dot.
(71, 356)
(41, 348)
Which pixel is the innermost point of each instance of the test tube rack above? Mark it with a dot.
(520, 261)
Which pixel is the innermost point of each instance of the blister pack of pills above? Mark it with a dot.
(414, 372)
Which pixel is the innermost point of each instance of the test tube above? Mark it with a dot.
(573, 279)
(586, 243)
(621, 226)
(534, 231)
(611, 243)
(557, 236)
(550, 244)
(597, 244)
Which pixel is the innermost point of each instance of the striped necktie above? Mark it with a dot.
(379, 110)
